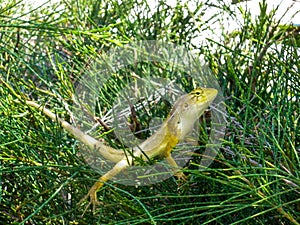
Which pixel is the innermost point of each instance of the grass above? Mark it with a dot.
(253, 180)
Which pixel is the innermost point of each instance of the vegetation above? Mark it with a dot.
(254, 179)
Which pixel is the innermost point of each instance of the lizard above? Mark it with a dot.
(180, 121)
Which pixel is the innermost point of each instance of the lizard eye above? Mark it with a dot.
(198, 92)
(186, 105)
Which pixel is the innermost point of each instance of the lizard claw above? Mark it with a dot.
(181, 176)
(92, 195)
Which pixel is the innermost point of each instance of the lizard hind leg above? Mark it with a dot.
(92, 194)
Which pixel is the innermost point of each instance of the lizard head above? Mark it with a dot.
(187, 109)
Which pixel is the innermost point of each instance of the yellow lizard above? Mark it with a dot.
(186, 110)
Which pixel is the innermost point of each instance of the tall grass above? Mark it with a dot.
(254, 179)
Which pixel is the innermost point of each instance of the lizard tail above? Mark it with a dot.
(107, 152)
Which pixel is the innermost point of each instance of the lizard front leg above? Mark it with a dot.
(92, 194)
(179, 174)
(172, 142)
